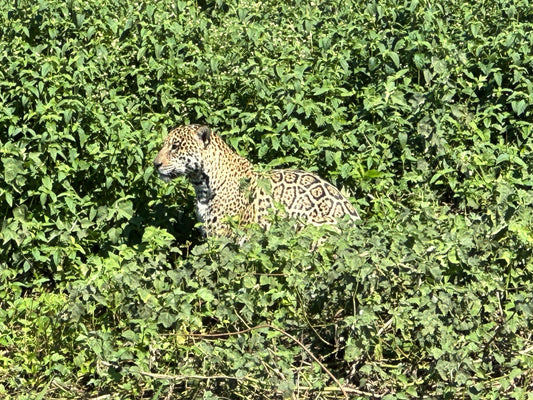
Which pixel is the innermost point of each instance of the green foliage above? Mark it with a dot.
(422, 110)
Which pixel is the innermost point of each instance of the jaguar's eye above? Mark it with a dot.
(175, 146)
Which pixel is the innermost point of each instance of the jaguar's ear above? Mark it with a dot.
(204, 134)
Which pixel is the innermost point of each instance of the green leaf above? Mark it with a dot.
(402, 137)
(12, 168)
(395, 58)
(130, 335)
(502, 157)
(519, 106)
(205, 294)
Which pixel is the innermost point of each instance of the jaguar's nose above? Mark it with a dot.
(157, 164)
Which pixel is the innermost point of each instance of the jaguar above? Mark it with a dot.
(228, 185)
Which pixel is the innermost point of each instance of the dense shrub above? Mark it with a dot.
(422, 111)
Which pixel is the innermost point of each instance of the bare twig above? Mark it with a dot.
(339, 388)
(310, 353)
(304, 313)
(303, 346)
(385, 326)
(345, 390)
(180, 377)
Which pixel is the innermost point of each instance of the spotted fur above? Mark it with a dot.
(226, 184)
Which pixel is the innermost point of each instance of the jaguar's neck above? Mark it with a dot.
(225, 169)
(223, 177)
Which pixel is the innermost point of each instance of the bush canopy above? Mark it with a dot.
(420, 110)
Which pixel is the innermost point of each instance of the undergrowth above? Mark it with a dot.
(420, 110)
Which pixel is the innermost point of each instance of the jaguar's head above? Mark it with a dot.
(182, 152)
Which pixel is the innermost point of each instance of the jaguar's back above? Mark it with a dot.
(306, 196)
